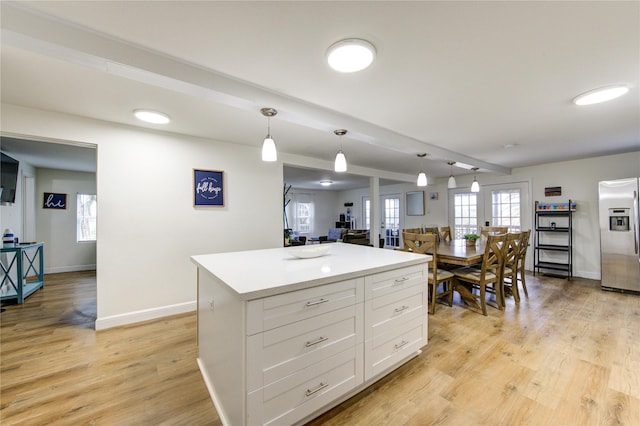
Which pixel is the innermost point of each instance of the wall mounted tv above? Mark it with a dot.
(8, 179)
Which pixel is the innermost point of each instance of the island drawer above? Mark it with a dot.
(275, 311)
(304, 392)
(384, 283)
(385, 314)
(282, 351)
(387, 349)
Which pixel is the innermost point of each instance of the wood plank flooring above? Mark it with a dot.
(568, 355)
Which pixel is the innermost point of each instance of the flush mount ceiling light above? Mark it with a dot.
(451, 184)
(351, 55)
(269, 152)
(475, 186)
(422, 176)
(340, 164)
(326, 182)
(601, 94)
(153, 117)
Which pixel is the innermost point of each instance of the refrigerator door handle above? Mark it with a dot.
(636, 219)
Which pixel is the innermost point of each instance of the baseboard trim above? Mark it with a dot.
(75, 268)
(144, 315)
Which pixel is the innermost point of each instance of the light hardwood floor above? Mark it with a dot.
(568, 355)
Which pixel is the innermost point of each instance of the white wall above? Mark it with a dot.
(435, 210)
(579, 181)
(58, 228)
(147, 225)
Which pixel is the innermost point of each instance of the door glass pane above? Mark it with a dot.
(505, 209)
(392, 221)
(465, 215)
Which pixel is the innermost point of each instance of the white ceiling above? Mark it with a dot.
(458, 80)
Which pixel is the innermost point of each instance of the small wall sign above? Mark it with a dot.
(208, 188)
(553, 191)
(52, 200)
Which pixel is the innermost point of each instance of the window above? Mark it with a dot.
(465, 214)
(86, 217)
(505, 209)
(301, 211)
(304, 217)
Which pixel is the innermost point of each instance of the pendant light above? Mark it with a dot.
(422, 176)
(340, 164)
(451, 184)
(475, 186)
(269, 152)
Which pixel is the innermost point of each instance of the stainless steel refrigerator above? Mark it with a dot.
(620, 235)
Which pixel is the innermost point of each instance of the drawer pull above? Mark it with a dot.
(401, 344)
(317, 302)
(403, 308)
(315, 342)
(401, 280)
(318, 388)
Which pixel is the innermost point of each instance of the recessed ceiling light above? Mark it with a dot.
(601, 94)
(325, 182)
(151, 116)
(351, 55)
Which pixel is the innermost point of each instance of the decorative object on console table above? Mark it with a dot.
(8, 239)
(208, 188)
(52, 200)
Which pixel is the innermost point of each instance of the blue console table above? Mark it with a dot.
(20, 260)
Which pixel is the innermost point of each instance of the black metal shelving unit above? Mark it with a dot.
(552, 239)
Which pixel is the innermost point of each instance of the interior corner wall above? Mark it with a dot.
(148, 226)
(12, 214)
(57, 228)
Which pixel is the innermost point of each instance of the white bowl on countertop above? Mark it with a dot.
(310, 251)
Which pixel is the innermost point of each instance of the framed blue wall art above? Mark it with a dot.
(208, 188)
(52, 200)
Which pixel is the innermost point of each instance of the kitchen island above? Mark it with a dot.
(282, 339)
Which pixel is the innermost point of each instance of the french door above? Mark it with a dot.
(391, 218)
(391, 215)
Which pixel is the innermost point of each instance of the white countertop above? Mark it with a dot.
(259, 273)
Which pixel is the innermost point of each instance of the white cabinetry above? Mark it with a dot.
(284, 358)
(395, 317)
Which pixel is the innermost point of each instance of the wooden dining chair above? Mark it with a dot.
(412, 230)
(520, 273)
(433, 230)
(428, 244)
(487, 275)
(485, 231)
(445, 233)
(509, 270)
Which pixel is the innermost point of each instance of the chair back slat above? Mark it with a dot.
(422, 244)
(485, 231)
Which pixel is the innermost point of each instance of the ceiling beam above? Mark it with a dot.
(22, 28)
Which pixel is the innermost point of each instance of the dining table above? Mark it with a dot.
(457, 252)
